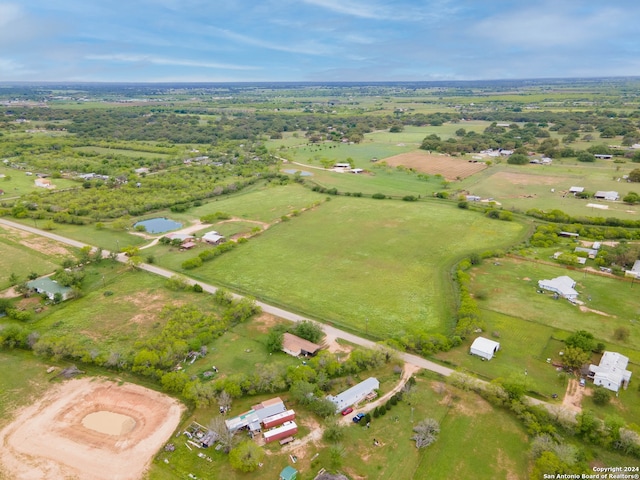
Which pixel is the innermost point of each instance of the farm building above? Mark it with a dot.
(296, 346)
(473, 198)
(254, 417)
(612, 371)
(355, 394)
(357, 170)
(575, 190)
(563, 286)
(485, 348)
(43, 183)
(288, 473)
(342, 165)
(50, 288)
(635, 270)
(569, 234)
(214, 238)
(591, 253)
(285, 430)
(610, 196)
(603, 156)
(279, 419)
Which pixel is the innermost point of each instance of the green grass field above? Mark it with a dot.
(382, 268)
(16, 183)
(24, 253)
(133, 153)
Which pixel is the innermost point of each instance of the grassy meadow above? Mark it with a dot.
(383, 268)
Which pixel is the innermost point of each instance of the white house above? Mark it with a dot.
(214, 238)
(355, 394)
(610, 196)
(485, 348)
(635, 270)
(612, 371)
(563, 286)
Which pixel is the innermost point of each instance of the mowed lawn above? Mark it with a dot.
(372, 265)
(511, 287)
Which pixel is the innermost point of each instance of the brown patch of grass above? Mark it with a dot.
(451, 168)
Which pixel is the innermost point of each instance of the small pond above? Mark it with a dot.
(303, 173)
(159, 225)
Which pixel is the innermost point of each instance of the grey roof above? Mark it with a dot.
(48, 286)
(354, 394)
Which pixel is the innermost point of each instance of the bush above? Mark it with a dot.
(586, 157)
(192, 263)
(197, 288)
(379, 196)
(410, 198)
(518, 159)
(601, 396)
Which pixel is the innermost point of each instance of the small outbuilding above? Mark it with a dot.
(609, 196)
(288, 473)
(485, 348)
(213, 238)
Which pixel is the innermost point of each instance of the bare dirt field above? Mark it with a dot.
(37, 243)
(451, 168)
(90, 429)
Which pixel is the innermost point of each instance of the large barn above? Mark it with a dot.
(485, 348)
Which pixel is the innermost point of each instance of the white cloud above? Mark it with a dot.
(426, 11)
(9, 13)
(133, 58)
(308, 48)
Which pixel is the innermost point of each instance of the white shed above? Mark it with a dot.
(485, 348)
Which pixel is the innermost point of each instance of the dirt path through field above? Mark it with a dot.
(573, 396)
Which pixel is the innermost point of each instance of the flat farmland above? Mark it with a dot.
(451, 168)
(371, 265)
(546, 187)
(510, 288)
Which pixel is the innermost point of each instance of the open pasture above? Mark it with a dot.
(451, 168)
(374, 266)
(133, 153)
(546, 187)
(16, 183)
(24, 253)
(510, 288)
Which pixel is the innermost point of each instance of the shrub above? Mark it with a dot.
(518, 159)
(379, 196)
(601, 396)
(410, 198)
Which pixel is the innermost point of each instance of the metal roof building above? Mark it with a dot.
(354, 394)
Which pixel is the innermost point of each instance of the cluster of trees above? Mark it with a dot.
(208, 254)
(580, 345)
(306, 329)
(575, 224)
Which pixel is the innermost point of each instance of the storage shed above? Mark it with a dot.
(485, 348)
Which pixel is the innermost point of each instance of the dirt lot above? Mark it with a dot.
(69, 432)
(451, 168)
(37, 243)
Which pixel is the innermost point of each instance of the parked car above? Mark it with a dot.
(347, 411)
(358, 417)
(582, 382)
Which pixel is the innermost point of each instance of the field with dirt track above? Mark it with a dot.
(90, 429)
(450, 168)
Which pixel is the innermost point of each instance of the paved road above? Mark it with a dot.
(278, 312)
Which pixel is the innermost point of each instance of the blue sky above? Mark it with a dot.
(316, 40)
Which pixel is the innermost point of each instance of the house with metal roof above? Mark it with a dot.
(296, 346)
(253, 418)
(610, 196)
(612, 371)
(354, 394)
(484, 348)
(49, 288)
(563, 286)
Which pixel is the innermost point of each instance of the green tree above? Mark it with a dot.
(582, 339)
(601, 396)
(246, 457)
(586, 157)
(309, 331)
(575, 357)
(634, 175)
(518, 159)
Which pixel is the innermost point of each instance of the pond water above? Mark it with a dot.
(109, 423)
(303, 173)
(159, 225)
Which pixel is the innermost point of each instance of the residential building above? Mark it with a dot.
(354, 394)
(49, 288)
(296, 346)
(612, 371)
(563, 286)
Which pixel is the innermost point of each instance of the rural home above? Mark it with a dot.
(610, 196)
(354, 394)
(563, 286)
(296, 346)
(285, 430)
(43, 183)
(591, 253)
(485, 348)
(569, 234)
(288, 473)
(612, 371)
(635, 270)
(253, 418)
(342, 165)
(182, 237)
(213, 238)
(603, 156)
(49, 287)
(575, 190)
